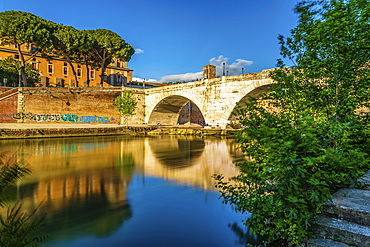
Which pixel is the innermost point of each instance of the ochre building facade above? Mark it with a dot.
(55, 71)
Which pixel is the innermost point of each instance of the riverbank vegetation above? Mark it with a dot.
(16, 227)
(126, 105)
(313, 138)
(92, 48)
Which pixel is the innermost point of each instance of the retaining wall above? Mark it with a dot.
(53, 105)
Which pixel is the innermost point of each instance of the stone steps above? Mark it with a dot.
(322, 242)
(345, 221)
(351, 205)
(342, 231)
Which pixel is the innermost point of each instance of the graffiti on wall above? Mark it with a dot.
(47, 117)
(36, 117)
(23, 116)
(93, 119)
(68, 118)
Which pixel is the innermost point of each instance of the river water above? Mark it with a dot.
(130, 191)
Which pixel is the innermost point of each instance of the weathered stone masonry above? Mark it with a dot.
(89, 105)
(211, 99)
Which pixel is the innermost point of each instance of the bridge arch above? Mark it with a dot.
(169, 110)
(242, 97)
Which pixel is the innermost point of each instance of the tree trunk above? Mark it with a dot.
(102, 73)
(23, 65)
(87, 71)
(72, 67)
(103, 59)
(73, 70)
(23, 74)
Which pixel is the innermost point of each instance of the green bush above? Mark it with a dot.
(17, 228)
(305, 139)
(293, 167)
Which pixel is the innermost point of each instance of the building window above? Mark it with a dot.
(50, 68)
(92, 74)
(79, 71)
(119, 79)
(33, 48)
(26, 46)
(35, 65)
(118, 64)
(65, 69)
(15, 46)
(105, 75)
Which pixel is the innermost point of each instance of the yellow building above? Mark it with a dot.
(55, 71)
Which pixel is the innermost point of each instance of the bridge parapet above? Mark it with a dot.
(219, 80)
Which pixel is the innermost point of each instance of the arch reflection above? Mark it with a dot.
(176, 153)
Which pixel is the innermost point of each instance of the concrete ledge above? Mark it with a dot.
(62, 132)
(22, 131)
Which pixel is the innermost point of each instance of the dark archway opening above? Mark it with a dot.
(233, 118)
(175, 110)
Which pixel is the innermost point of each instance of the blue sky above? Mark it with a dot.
(174, 39)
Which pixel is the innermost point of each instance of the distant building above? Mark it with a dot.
(209, 71)
(55, 71)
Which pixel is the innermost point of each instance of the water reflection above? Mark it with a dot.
(82, 184)
(177, 153)
(245, 236)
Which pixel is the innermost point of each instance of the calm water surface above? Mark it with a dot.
(131, 191)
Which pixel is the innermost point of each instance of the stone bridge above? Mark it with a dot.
(215, 98)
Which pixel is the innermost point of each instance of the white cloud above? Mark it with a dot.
(233, 69)
(141, 79)
(138, 51)
(182, 77)
(218, 60)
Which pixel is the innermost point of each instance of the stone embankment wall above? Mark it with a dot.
(69, 105)
(8, 104)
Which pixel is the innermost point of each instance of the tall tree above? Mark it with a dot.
(304, 148)
(18, 28)
(110, 45)
(9, 69)
(68, 42)
(87, 55)
(330, 50)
